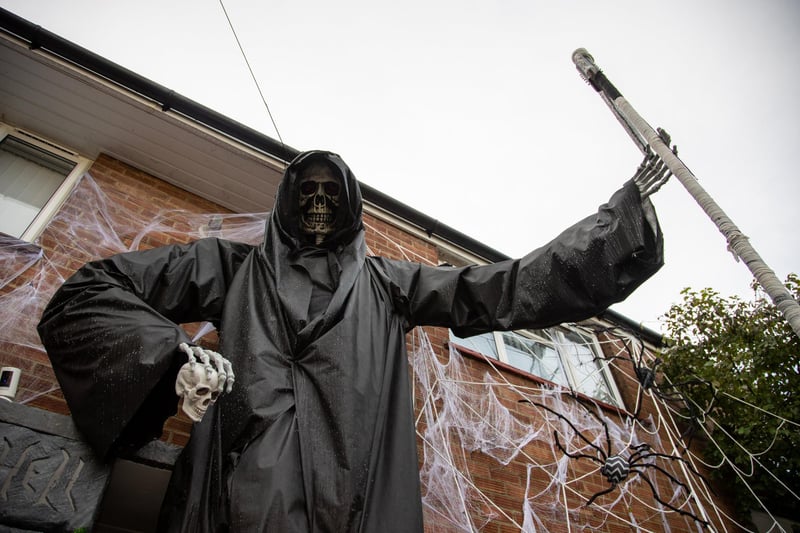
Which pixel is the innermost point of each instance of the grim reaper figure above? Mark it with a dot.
(317, 432)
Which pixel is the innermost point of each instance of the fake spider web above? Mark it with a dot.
(486, 457)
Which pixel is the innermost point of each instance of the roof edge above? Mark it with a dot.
(166, 98)
(169, 100)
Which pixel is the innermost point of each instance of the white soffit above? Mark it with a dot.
(74, 108)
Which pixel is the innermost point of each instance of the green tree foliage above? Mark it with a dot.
(750, 355)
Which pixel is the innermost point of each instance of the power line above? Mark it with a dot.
(252, 75)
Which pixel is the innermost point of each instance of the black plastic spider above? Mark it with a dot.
(616, 467)
(678, 396)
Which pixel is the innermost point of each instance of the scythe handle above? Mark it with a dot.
(646, 138)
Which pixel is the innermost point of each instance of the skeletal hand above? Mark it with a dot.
(202, 379)
(653, 172)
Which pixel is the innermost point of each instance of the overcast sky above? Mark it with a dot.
(473, 113)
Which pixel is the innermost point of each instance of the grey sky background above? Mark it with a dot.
(473, 113)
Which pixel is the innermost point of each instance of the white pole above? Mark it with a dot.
(738, 243)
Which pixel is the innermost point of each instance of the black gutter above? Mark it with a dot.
(169, 100)
(429, 225)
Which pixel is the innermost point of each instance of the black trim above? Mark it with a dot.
(429, 225)
(37, 37)
(169, 100)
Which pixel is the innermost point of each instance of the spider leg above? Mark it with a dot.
(639, 400)
(602, 492)
(670, 506)
(574, 455)
(670, 476)
(644, 374)
(675, 457)
(570, 424)
(640, 452)
(674, 392)
(688, 434)
(605, 426)
(668, 393)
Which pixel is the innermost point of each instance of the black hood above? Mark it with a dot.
(285, 250)
(285, 216)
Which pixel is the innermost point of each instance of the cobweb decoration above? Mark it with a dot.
(458, 417)
(675, 396)
(683, 417)
(16, 257)
(468, 422)
(619, 461)
(91, 225)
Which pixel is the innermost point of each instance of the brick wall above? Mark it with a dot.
(82, 231)
(505, 484)
(130, 191)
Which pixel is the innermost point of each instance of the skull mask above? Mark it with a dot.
(199, 386)
(319, 193)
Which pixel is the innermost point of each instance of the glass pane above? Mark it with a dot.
(483, 343)
(586, 367)
(536, 357)
(28, 178)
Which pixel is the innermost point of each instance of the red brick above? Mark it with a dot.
(129, 189)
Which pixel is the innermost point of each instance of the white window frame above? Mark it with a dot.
(559, 341)
(60, 195)
(603, 363)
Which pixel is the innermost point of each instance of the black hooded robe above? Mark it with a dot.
(318, 431)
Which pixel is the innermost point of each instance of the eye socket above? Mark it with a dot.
(310, 187)
(331, 187)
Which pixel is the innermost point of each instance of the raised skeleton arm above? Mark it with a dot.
(653, 172)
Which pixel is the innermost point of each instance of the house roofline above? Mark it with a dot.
(169, 100)
(166, 98)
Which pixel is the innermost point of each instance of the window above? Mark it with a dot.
(565, 356)
(35, 178)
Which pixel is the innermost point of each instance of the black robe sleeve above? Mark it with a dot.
(593, 264)
(111, 332)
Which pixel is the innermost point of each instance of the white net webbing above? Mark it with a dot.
(494, 447)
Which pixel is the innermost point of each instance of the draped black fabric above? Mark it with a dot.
(318, 431)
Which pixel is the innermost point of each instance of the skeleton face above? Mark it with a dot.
(318, 201)
(199, 386)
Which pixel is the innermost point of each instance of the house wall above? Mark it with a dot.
(130, 191)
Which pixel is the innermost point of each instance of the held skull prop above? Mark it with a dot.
(199, 387)
(319, 195)
(202, 380)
